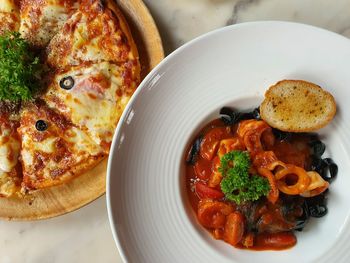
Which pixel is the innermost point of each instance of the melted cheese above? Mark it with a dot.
(81, 142)
(8, 6)
(40, 21)
(92, 34)
(9, 16)
(48, 157)
(8, 184)
(9, 150)
(96, 101)
(9, 153)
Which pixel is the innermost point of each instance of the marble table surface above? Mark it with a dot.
(85, 236)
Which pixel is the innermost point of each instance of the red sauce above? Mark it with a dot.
(266, 225)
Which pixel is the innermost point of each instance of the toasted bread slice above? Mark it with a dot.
(297, 106)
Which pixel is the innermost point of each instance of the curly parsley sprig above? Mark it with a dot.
(237, 185)
(19, 69)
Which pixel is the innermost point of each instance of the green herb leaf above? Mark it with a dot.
(19, 69)
(237, 185)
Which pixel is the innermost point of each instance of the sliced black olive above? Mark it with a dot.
(41, 125)
(67, 83)
(192, 157)
(318, 147)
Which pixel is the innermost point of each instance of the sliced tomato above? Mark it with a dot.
(276, 241)
(203, 191)
(202, 169)
(211, 141)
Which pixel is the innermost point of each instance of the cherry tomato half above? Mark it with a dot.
(204, 191)
(203, 169)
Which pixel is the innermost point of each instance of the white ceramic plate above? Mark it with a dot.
(150, 215)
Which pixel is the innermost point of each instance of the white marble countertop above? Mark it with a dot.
(85, 236)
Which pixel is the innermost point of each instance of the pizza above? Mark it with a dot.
(93, 70)
(53, 149)
(9, 15)
(92, 34)
(41, 20)
(92, 97)
(10, 168)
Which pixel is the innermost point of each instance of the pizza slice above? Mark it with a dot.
(42, 19)
(9, 16)
(96, 32)
(10, 168)
(93, 97)
(53, 150)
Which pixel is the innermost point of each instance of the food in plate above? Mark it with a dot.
(253, 185)
(65, 79)
(297, 106)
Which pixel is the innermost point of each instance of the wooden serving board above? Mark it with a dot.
(86, 188)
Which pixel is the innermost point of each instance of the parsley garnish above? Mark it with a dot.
(237, 185)
(19, 69)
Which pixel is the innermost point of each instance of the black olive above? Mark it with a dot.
(67, 83)
(41, 125)
(318, 147)
(191, 159)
